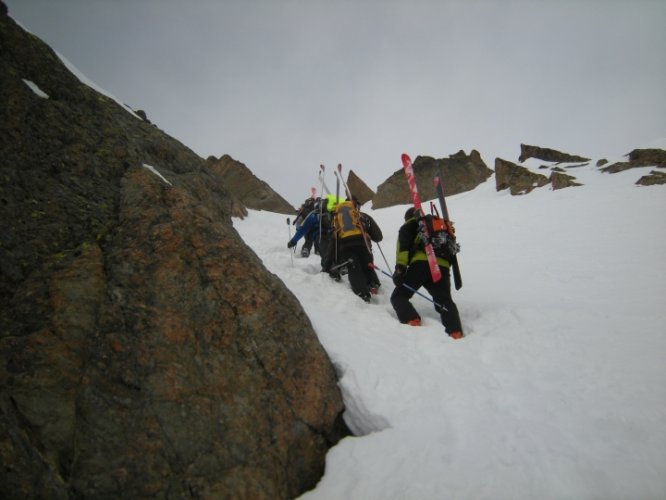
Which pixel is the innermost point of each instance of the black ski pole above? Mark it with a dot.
(342, 264)
(408, 287)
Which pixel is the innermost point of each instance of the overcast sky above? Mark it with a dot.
(283, 86)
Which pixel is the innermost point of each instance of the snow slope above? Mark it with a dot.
(559, 389)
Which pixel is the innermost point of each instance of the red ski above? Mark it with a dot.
(435, 273)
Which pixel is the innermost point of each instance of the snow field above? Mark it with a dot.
(557, 391)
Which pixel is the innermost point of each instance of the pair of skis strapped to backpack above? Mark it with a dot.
(427, 231)
(348, 216)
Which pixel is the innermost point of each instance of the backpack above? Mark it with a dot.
(346, 220)
(307, 207)
(442, 236)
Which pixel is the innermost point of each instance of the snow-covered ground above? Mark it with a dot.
(558, 390)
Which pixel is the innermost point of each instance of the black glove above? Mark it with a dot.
(291, 244)
(399, 275)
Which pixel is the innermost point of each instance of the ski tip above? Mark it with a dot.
(406, 160)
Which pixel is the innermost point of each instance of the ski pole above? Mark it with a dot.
(322, 172)
(408, 287)
(291, 254)
(383, 256)
(343, 264)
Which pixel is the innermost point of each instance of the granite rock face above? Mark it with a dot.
(146, 351)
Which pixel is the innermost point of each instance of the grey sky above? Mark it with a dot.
(286, 85)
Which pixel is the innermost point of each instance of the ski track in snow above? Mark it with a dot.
(557, 391)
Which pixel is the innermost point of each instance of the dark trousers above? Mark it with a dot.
(326, 252)
(417, 276)
(312, 238)
(361, 276)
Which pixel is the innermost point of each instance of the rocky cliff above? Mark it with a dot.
(146, 352)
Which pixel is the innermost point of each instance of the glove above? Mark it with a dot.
(291, 244)
(399, 275)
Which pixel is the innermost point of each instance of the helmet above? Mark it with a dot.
(409, 213)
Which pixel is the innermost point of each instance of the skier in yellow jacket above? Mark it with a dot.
(412, 269)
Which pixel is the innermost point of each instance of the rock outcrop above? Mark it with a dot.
(654, 178)
(359, 188)
(549, 155)
(518, 179)
(461, 173)
(135, 363)
(639, 158)
(247, 187)
(560, 180)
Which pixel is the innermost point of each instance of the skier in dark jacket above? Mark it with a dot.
(412, 269)
(357, 251)
(302, 214)
(311, 226)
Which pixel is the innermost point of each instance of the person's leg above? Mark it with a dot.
(441, 293)
(355, 272)
(417, 274)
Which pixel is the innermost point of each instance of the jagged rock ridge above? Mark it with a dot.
(248, 188)
(359, 188)
(547, 154)
(146, 350)
(461, 173)
(639, 158)
(520, 180)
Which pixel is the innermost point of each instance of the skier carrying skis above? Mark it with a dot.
(311, 226)
(412, 269)
(352, 244)
(302, 214)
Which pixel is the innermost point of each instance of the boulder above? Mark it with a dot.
(560, 180)
(146, 351)
(518, 179)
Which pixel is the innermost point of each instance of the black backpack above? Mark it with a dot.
(442, 236)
